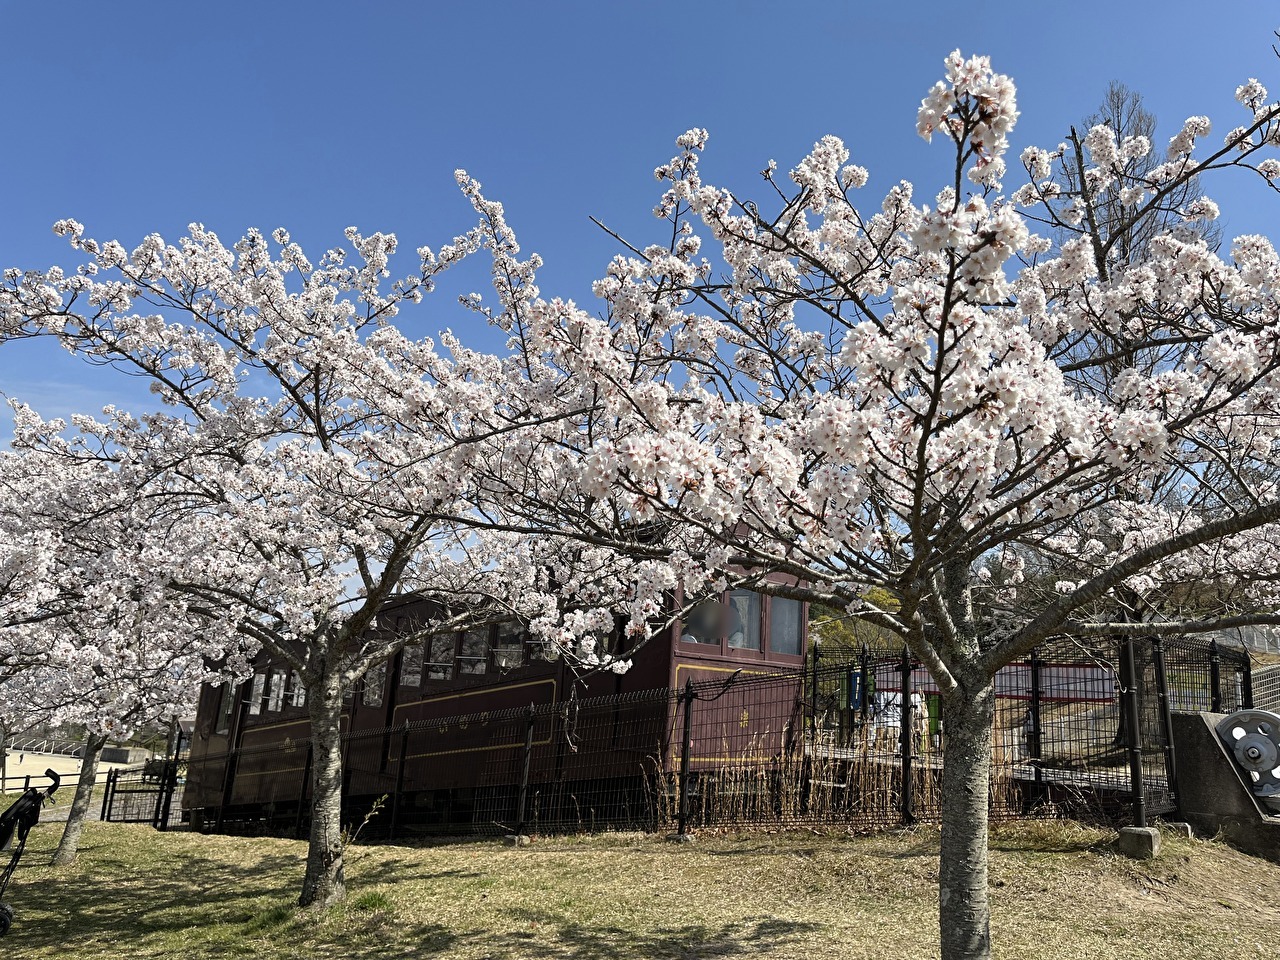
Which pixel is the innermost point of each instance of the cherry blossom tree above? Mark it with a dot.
(26, 558)
(311, 462)
(101, 643)
(893, 408)
(273, 472)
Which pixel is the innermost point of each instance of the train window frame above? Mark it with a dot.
(756, 599)
(413, 658)
(721, 647)
(276, 682)
(226, 707)
(257, 688)
(295, 693)
(448, 642)
(517, 642)
(373, 691)
(802, 640)
(691, 617)
(484, 660)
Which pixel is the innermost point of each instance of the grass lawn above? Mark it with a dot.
(1059, 893)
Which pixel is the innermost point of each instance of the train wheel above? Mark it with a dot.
(6, 918)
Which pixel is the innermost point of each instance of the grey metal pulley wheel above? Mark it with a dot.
(1253, 738)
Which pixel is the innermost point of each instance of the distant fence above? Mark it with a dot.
(851, 742)
(53, 745)
(1265, 683)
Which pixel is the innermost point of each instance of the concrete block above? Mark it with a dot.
(681, 838)
(1140, 843)
(516, 840)
(1177, 829)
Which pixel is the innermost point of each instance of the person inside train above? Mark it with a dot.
(702, 625)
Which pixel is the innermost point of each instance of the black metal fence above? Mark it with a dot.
(850, 740)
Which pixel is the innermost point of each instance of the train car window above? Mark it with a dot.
(786, 626)
(296, 693)
(440, 660)
(704, 623)
(744, 619)
(275, 691)
(374, 680)
(223, 726)
(508, 652)
(411, 665)
(474, 655)
(256, 690)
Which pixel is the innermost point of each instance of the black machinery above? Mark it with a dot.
(1253, 739)
(16, 822)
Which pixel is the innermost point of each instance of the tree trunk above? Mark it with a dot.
(964, 913)
(325, 881)
(70, 842)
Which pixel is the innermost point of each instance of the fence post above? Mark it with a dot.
(908, 735)
(106, 798)
(170, 786)
(686, 743)
(159, 807)
(1215, 678)
(395, 797)
(302, 792)
(228, 786)
(1246, 683)
(26, 783)
(864, 665)
(813, 696)
(1133, 733)
(1166, 719)
(523, 797)
(1034, 730)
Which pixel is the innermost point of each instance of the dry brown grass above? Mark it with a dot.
(1060, 893)
(854, 776)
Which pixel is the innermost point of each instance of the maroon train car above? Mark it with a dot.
(250, 751)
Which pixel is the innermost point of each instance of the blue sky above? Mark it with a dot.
(141, 117)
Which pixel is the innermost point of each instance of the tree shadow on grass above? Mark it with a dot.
(1060, 843)
(756, 936)
(184, 899)
(151, 901)
(158, 890)
(395, 871)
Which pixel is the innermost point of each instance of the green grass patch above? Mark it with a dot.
(370, 901)
(1060, 892)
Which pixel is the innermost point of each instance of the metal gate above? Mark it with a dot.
(144, 794)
